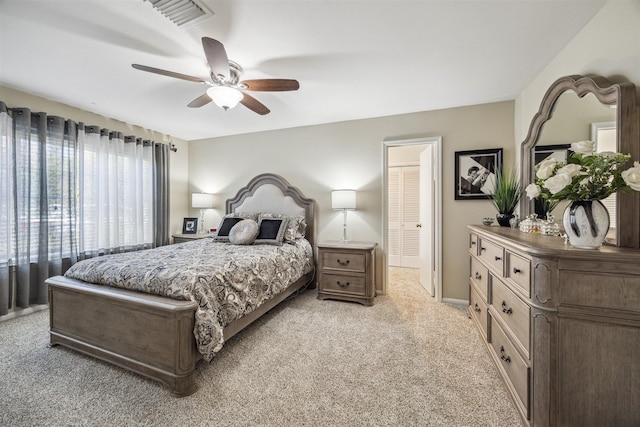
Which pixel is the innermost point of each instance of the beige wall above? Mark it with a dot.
(609, 45)
(178, 162)
(320, 158)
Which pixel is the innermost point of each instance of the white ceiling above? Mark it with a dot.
(354, 59)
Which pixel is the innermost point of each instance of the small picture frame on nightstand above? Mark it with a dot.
(190, 226)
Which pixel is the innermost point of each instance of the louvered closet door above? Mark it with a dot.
(404, 216)
(394, 216)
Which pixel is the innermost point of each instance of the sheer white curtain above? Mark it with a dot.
(116, 192)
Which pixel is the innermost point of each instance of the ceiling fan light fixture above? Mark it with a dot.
(225, 97)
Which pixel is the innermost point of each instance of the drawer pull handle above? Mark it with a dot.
(505, 309)
(482, 249)
(502, 355)
(498, 258)
(477, 308)
(516, 270)
(473, 243)
(344, 285)
(478, 276)
(343, 262)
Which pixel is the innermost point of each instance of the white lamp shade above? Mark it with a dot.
(343, 199)
(202, 200)
(225, 97)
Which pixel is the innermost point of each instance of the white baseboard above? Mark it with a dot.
(455, 301)
(23, 311)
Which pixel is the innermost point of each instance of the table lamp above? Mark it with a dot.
(344, 200)
(202, 201)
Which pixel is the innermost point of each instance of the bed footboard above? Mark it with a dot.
(147, 334)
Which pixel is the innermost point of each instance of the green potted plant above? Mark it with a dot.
(506, 195)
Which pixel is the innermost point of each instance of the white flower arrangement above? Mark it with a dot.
(585, 175)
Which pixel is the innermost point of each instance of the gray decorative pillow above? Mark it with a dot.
(271, 231)
(296, 225)
(244, 232)
(228, 222)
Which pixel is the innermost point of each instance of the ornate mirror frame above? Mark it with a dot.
(623, 95)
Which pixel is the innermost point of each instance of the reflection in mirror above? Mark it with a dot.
(574, 108)
(605, 136)
(574, 119)
(541, 207)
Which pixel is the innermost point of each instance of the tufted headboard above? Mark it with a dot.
(272, 193)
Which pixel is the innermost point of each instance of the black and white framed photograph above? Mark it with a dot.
(560, 153)
(475, 173)
(190, 226)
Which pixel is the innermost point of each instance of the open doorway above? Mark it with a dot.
(412, 210)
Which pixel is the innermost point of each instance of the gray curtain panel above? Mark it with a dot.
(161, 191)
(41, 210)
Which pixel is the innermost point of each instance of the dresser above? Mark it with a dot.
(561, 324)
(346, 271)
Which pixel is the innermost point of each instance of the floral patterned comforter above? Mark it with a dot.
(226, 281)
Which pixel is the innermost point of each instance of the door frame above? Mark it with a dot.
(436, 141)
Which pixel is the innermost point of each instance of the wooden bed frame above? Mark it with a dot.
(153, 335)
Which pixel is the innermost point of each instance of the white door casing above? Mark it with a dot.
(426, 225)
(436, 143)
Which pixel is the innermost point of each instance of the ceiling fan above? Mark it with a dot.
(226, 90)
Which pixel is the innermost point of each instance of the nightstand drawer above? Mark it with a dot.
(344, 261)
(343, 283)
(347, 271)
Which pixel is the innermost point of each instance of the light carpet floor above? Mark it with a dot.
(406, 361)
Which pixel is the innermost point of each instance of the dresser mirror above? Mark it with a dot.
(578, 108)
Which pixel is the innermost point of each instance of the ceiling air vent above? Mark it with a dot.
(181, 11)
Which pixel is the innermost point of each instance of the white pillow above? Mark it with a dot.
(244, 232)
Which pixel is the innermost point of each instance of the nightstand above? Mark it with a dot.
(181, 238)
(346, 271)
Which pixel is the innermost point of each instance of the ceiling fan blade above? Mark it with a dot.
(254, 105)
(203, 99)
(168, 73)
(216, 57)
(271, 85)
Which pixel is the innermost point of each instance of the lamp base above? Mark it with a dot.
(201, 226)
(344, 227)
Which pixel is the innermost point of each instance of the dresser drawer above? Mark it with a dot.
(480, 276)
(473, 244)
(512, 364)
(492, 255)
(478, 310)
(519, 271)
(512, 310)
(343, 283)
(345, 261)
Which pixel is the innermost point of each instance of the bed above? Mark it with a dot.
(162, 337)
